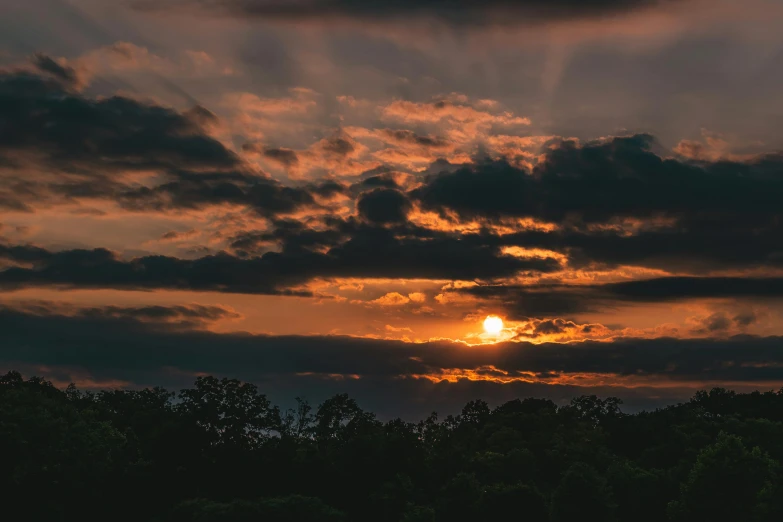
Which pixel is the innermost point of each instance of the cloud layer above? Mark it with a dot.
(140, 345)
(461, 12)
(403, 221)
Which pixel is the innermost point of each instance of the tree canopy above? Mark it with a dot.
(221, 452)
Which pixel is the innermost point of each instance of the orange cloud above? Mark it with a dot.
(128, 57)
(417, 297)
(391, 328)
(391, 299)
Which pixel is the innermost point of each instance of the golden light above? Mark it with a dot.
(493, 324)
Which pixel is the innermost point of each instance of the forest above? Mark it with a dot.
(221, 452)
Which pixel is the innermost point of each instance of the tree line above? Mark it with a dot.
(221, 452)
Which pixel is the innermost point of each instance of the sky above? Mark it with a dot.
(324, 196)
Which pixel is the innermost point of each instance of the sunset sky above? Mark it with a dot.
(321, 196)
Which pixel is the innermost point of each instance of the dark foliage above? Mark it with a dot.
(220, 452)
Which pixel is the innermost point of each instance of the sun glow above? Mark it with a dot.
(493, 324)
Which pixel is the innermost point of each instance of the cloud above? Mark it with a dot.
(80, 147)
(190, 317)
(391, 299)
(285, 157)
(351, 249)
(391, 328)
(752, 358)
(122, 57)
(62, 71)
(461, 12)
(537, 300)
(71, 131)
(417, 297)
(618, 202)
(718, 322)
(673, 246)
(384, 206)
(128, 346)
(336, 155)
(617, 178)
(673, 288)
(174, 236)
(101, 268)
(463, 119)
(408, 137)
(615, 202)
(390, 180)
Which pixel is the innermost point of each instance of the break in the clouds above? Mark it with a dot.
(461, 12)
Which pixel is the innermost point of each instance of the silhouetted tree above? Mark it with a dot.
(640, 494)
(298, 422)
(219, 451)
(516, 501)
(725, 483)
(286, 509)
(56, 456)
(229, 411)
(583, 495)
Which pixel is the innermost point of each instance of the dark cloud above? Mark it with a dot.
(327, 188)
(384, 206)
(553, 326)
(88, 143)
(752, 358)
(548, 300)
(74, 132)
(618, 202)
(127, 346)
(176, 235)
(290, 236)
(410, 252)
(178, 313)
(63, 72)
(172, 317)
(340, 145)
(717, 321)
(265, 196)
(285, 157)
(615, 202)
(201, 116)
(100, 268)
(745, 318)
(620, 178)
(410, 137)
(713, 323)
(386, 180)
(351, 249)
(367, 248)
(681, 247)
(458, 12)
(673, 288)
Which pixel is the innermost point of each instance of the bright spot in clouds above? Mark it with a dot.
(493, 324)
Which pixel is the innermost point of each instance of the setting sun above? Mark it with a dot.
(493, 324)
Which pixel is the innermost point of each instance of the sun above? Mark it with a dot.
(493, 324)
